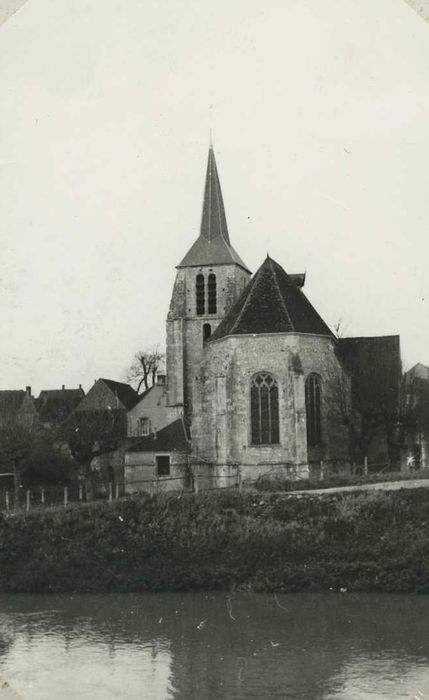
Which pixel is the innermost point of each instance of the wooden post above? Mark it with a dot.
(42, 495)
(240, 480)
(365, 466)
(322, 470)
(116, 491)
(66, 496)
(7, 501)
(110, 491)
(80, 492)
(196, 486)
(27, 501)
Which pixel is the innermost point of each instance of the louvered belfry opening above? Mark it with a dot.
(200, 295)
(264, 409)
(212, 293)
(313, 391)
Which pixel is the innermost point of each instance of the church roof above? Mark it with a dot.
(212, 246)
(272, 303)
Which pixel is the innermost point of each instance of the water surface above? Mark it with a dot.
(215, 646)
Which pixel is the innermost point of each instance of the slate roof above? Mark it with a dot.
(374, 363)
(124, 392)
(173, 438)
(213, 246)
(271, 303)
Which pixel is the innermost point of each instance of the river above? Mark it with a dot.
(215, 647)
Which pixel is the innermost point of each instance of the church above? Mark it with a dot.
(257, 383)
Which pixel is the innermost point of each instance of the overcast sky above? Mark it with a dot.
(320, 114)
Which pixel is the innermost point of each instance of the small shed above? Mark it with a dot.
(160, 461)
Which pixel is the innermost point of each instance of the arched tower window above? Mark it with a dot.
(211, 286)
(313, 394)
(207, 331)
(200, 295)
(264, 410)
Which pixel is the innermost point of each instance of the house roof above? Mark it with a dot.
(375, 366)
(271, 303)
(213, 246)
(125, 393)
(55, 405)
(173, 438)
(11, 400)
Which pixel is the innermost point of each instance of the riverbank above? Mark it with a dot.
(363, 541)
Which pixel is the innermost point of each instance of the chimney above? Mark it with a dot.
(28, 391)
(80, 387)
(64, 387)
(160, 379)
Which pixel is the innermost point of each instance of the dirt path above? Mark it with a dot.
(381, 486)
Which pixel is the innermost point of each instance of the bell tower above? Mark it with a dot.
(209, 279)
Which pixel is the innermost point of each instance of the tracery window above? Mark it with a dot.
(264, 409)
(200, 295)
(211, 288)
(313, 394)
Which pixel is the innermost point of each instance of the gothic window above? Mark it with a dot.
(207, 331)
(163, 465)
(313, 392)
(264, 410)
(211, 287)
(200, 295)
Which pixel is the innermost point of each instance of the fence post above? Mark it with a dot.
(42, 495)
(240, 481)
(322, 470)
(116, 491)
(110, 491)
(27, 501)
(7, 501)
(365, 466)
(196, 487)
(80, 492)
(66, 495)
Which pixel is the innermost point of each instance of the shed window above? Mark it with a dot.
(264, 410)
(163, 465)
(212, 293)
(313, 391)
(200, 295)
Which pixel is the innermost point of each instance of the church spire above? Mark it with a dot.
(213, 220)
(212, 246)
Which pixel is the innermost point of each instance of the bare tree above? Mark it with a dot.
(145, 367)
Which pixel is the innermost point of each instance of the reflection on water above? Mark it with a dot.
(202, 647)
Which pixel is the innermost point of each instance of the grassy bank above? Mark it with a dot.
(265, 483)
(372, 541)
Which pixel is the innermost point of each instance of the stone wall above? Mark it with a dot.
(140, 471)
(221, 420)
(185, 347)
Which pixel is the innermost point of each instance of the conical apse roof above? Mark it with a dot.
(272, 303)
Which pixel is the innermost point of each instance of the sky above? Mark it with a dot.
(319, 113)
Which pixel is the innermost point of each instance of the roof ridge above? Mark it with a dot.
(249, 287)
(283, 302)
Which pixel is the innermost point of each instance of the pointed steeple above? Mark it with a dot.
(213, 220)
(213, 246)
